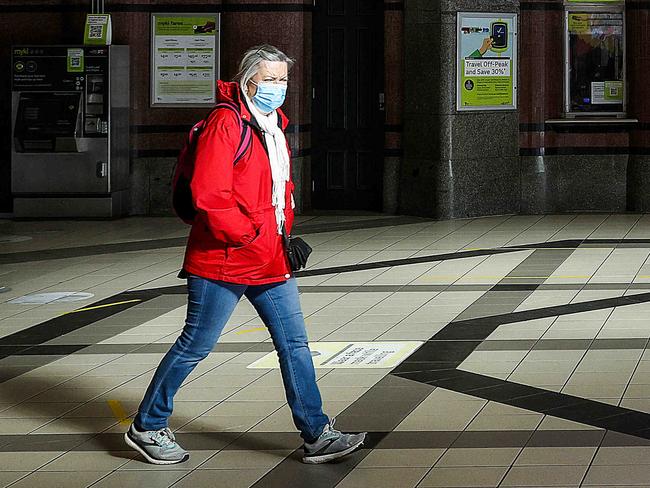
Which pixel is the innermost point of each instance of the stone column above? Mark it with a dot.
(456, 164)
(638, 56)
(394, 97)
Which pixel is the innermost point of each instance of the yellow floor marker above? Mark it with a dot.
(103, 306)
(118, 412)
(249, 331)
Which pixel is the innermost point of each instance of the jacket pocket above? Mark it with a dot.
(250, 260)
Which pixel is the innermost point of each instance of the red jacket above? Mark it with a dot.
(234, 237)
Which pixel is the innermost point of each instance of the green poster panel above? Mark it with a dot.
(75, 62)
(487, 61)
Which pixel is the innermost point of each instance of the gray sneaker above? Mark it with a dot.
(157, 446)
(331, 445)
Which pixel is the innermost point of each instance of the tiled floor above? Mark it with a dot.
(533, 372)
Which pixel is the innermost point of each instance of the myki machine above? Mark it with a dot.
(70, 112)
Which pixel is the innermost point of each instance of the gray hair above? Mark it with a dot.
(252, 58)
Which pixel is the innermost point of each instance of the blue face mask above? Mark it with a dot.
(269, 96)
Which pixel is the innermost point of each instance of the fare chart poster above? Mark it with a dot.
(185, 59)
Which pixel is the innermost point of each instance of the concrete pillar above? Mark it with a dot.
(455, 164)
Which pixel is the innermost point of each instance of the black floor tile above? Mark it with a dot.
(265, 441)
(496, 439)
(42, 442)
(566, 438)
(418, 440)
(617, 439)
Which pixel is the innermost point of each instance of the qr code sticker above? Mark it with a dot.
(95, 32)
(75, 62)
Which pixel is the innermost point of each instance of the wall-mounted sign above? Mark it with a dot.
(99, 30)
(487, 61)
(184, 59)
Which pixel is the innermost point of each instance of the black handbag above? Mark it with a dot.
(297, 250)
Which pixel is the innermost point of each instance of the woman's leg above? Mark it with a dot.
(210, 305)
(279, 307)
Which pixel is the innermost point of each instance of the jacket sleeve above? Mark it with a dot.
(212, 182)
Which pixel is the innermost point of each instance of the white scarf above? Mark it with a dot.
(276, 144)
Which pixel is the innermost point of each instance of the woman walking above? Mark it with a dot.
(237, 247)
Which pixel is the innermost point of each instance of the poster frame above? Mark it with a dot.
(591, 7)
(514, 17)
(152, 58)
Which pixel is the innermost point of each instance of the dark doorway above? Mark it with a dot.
(347, 115)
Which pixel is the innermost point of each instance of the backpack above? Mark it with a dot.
(182, 200)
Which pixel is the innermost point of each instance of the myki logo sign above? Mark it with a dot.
(23, 51)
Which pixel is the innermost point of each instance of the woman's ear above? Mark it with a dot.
(251, 89)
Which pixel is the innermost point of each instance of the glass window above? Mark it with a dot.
(595, 60)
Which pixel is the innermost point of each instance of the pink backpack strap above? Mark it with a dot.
(245, 130)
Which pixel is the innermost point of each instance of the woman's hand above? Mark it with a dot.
(487, 45)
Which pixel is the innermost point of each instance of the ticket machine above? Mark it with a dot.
(70, 113)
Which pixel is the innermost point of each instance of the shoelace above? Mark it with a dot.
(164, 438)
(329, 428)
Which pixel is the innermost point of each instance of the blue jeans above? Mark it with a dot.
(210, 305)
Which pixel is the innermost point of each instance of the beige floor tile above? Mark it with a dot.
(211, 478)
(21, 426)
(383, 477)
(40, 479)
(547, 456)
(563, 476)
(279, 421)
(19, 461)
(618, 475)
(236, 459)
(76, 461)
(455, 457)
(555, 423)
(197, 457)
(68, 394)
(234, 408)
(221, 424)
(264, 394)
(398, 458)
(7, 477)
(215, 380)
(505, 422)
(140, 479)
(622, 456)
(100, 410)
(76, 425)
(433, 422)
(204, 394)
(38, 410)
(479, 477)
